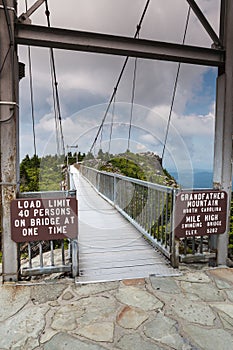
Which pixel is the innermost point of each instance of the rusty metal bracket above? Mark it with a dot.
(24, 17)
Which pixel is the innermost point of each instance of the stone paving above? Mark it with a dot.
(190, 311)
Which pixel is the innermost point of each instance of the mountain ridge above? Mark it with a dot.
(146, 166)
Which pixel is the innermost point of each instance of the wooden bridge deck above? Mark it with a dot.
(110, 247)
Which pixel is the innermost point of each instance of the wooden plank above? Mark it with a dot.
(119, 260)
(134, 255)
(126, 273)
(94, 250)
(121, 264)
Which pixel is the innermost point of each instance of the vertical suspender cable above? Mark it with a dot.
(32, 99)
(55, 113)
(31, 92)
(11, 47)
(111, 126)
(101, 136)
(175, 88)
(132, 101)
(4, 61)
(57, 109)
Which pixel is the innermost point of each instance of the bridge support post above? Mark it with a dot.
(223, 125)
(8, 135)
(75, 258)
(175, 242)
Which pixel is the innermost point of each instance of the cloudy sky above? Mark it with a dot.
(86, 82)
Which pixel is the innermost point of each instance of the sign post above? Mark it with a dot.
(9, 174)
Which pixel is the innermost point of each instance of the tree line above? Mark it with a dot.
(45, 173)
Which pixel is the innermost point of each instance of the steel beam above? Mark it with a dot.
(25, 16)
(224, 125)
(34, 35)
(205, 23)
(34, 7)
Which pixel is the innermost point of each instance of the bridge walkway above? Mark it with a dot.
(110, 247)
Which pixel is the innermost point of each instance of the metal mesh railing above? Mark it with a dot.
(149, 207)
(45, 257)
(146, 205)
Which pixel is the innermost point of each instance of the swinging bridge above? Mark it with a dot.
(17, 31)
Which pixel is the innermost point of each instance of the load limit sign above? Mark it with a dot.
(43, 219)
(200, 213)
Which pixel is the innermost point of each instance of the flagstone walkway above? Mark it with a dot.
(191, 311)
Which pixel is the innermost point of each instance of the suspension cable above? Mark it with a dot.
(132, 101)
(111, 126)
(10, 32)
(175, 87)
(55, 113)
(31, 92)
(32, 99)
(10, 49)
(119, 78)
(57, 109)
(4, 61)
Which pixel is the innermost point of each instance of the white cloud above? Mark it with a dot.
(88, 79)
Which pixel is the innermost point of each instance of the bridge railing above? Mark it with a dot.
(146, 205)
(149, 207)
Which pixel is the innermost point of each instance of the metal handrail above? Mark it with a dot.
(148, 206)
(153, 216)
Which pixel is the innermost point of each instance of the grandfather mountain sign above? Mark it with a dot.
(200, 213)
